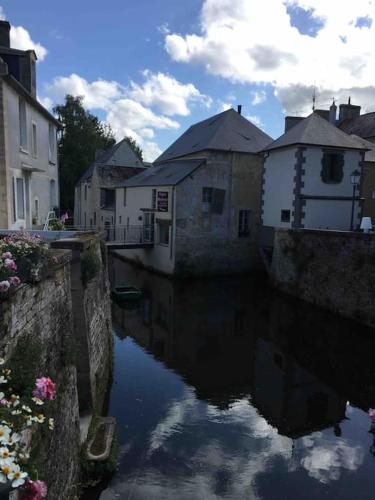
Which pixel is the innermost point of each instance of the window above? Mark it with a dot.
(23, 124)
(52, 194)
(34, 140)
(85, 192)
(332, 168)
(153, 203)
(124, 197)
(119, 219)
(244, 223)
(20, 198)
(51, 142)
(94, 218)
(163, 231)
(285, 215)
(36, 209)
(206, 199)
(107, 197)
(85, 219)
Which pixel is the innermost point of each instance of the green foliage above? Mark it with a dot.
(56, 225)
(135, 147)
(90, 266)
(82, 135)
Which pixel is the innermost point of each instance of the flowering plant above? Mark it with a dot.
(17, 416)
(14, 249)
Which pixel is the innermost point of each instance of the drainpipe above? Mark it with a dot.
(173, 224)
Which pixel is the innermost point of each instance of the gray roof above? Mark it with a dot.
(227, 131)
(369, 155)
(165, 174)
(363, 125)
(316, 131)
(106, 159)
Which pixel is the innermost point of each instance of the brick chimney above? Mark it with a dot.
(348, 111)
(4, 34)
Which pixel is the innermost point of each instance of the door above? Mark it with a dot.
(148, 227)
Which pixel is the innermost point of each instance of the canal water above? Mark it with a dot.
(224, 389)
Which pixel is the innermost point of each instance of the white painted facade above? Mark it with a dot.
(322, 205)
(31, 162)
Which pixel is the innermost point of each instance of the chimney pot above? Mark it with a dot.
(239, 108)
(4, 34)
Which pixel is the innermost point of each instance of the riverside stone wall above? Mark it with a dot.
(36, 329)
(62, 325)
(332, 269)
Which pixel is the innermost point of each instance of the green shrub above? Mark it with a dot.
(90, 266)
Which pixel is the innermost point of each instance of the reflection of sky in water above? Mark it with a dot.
(176, 446)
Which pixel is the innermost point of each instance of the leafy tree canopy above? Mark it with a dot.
(82, 135)
(135, 147)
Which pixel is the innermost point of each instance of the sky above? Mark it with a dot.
(151, 68)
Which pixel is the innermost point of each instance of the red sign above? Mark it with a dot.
(162, 201)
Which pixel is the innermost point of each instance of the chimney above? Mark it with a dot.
(4, 34)
(332, 113)
(290, 121)
(239, 108)
(349, 111)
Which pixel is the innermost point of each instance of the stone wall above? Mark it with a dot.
(36, 320)
(332, 269)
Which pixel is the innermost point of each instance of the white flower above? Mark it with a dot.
(17, 476)
(4, 434)
(40, 418)
(51, 423)
(37, 401)
(5, 454)
(26, 408)
(3, 380)
(2, 361)
(16, 412)
(5, 471)
(14, 438)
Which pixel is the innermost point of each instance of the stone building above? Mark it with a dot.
(307, 179)
(201, 199)
(28, 144)
(94, 203)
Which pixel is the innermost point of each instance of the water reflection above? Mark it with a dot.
(245, 394)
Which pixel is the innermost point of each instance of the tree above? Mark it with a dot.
(135, 147)
(82, 135)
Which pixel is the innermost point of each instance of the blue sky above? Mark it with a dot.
(209, 51)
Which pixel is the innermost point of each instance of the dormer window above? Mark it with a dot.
(332, 168)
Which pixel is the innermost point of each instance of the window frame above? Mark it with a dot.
(22, 118)
(34, 139)
(332, 172)
(244, 223)
(16, 205)
(51, 143)
(166, 227)
(207, 198)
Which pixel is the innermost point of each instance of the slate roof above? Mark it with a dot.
(227, 131)
(316, 131)
(369, 155)
(363, 125)
(165, 174)
(105, 160)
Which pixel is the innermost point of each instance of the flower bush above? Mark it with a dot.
(19, 254)
(18, 414)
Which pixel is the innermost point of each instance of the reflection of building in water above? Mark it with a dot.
(230, 340)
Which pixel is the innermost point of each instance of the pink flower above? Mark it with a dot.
(371, 413)
(6, 255)
(4, 286)
(10, 264)
(44, 388)
(33, 490)
(14, 280)
(3, 402)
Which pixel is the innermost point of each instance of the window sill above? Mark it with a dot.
(24, 151)
(163, 245)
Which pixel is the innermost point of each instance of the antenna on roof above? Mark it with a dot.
(314, 97)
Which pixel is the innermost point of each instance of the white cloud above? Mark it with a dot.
(258, 97)
(240, 40)
(224, 106)
(20, 39)
(166, 93)
(136, 110)
(255, 119)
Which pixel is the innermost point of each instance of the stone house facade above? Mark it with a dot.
(94, 201)
(211, 179)
(29, 186)
(307, 179)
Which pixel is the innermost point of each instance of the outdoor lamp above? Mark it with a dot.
(355, 177)
(366, 224)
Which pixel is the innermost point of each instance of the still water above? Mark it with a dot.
(224, 389)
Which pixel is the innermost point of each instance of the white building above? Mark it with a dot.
(200, 202)
(28, 142)
(94, 200)
(307, 179)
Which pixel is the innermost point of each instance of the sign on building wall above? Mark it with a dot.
(162, 201)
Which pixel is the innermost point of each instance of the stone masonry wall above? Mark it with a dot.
(332, 269)
(37, 319)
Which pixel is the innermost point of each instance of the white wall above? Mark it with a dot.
(279, 172)
(159, 257)
(329, 214)
(18, 159)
